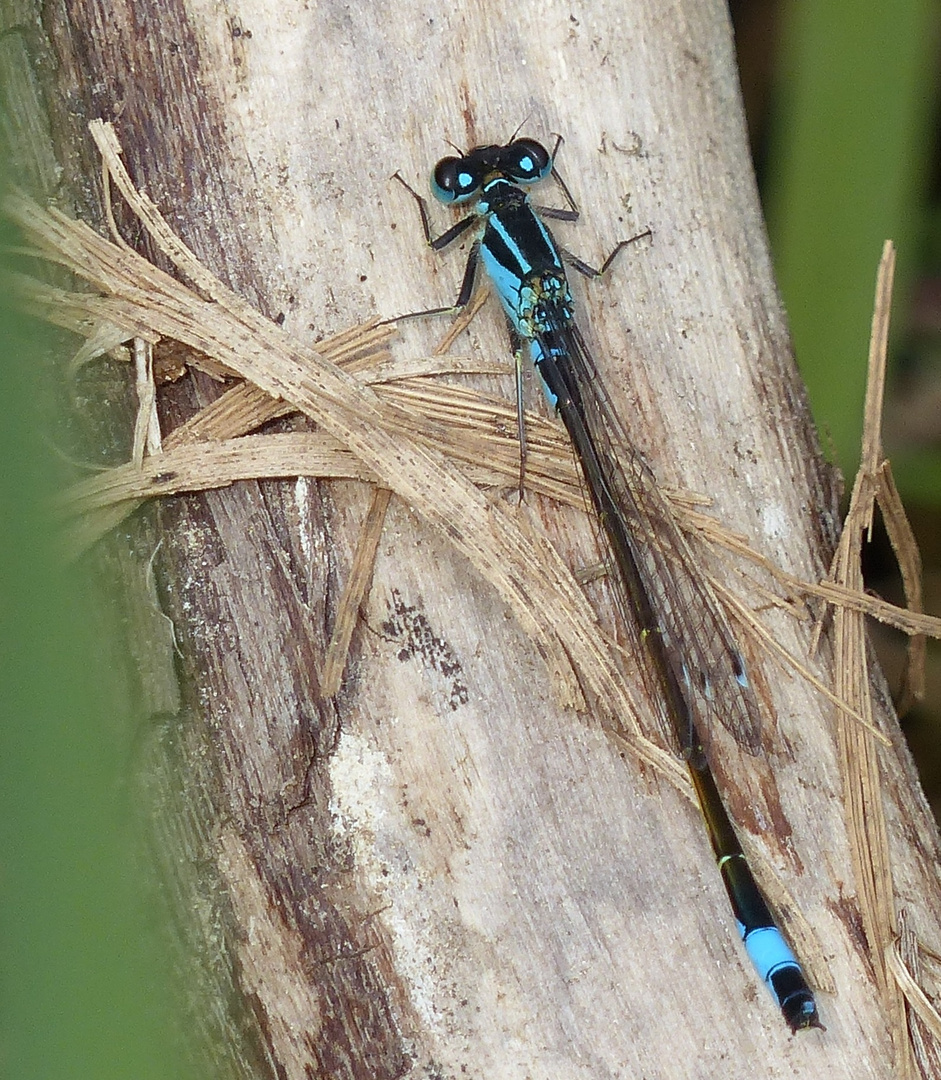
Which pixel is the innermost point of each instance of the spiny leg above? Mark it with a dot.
(438, 244)
(589, 271)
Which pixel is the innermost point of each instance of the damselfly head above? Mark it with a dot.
(458, 179)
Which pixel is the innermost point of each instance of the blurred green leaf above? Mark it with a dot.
(85, 991)
(851, 147)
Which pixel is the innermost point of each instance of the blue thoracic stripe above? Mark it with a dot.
(526, 239)
(506, 247)
(691, 648)
(507, 280)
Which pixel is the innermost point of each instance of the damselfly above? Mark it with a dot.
(699, 668)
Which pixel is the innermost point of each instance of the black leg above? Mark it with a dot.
(436, 243)
(439, 243)
(572, 213)
(516, 344)
(470, 272)
(589, 271)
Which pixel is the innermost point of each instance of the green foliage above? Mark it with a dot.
(849, 160)
(84, 989)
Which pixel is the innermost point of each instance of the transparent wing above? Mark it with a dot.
(668, 594)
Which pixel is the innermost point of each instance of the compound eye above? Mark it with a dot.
(454, 180)
(528, 161)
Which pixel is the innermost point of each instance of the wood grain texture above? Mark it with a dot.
(443, 872)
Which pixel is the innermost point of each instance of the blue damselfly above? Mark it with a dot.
(699, 669)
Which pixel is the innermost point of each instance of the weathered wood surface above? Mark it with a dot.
(444, 872)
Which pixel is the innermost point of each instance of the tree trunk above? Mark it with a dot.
(443, 870)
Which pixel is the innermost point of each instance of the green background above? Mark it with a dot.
(846, 119)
